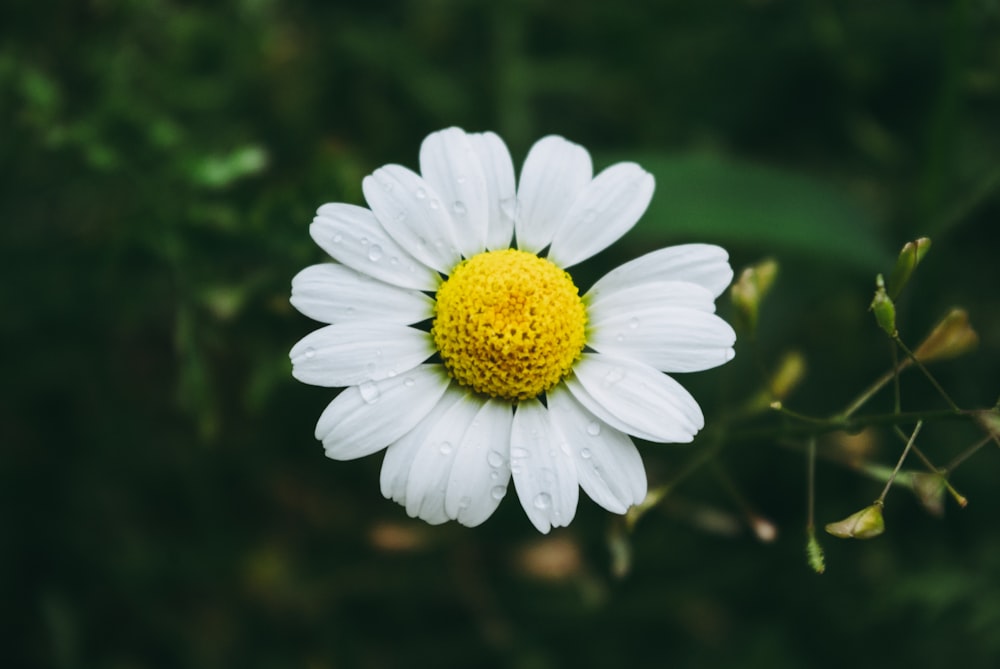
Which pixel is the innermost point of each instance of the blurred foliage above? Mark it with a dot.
(164, 503)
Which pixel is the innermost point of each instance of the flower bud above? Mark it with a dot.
(814, 553)
(751, 288)
(911, 255)
(929, 489)
(883, 308)
(950, 338)
(864, 524)
(791, 370)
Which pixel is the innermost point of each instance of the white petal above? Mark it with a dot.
(554, 174)
(606, 209)
(331, 293)
(481, 471)
(669, 339)
(346, 354)
(501, 188)
(400, 453)
(432, 464)
(607, 462)
(703, 264)
(363, 419)
(635, 398)
(353, 236)
(618, 301)
(413, 213)
(450, 164)
(544, 474)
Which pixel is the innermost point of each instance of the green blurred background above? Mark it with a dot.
(164, 503)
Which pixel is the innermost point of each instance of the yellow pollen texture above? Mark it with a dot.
(509, 324)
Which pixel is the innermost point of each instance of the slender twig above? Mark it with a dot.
(892, 477)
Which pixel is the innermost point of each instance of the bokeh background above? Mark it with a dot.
(164, 503)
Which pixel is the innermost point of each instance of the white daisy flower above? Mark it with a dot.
(517, 376)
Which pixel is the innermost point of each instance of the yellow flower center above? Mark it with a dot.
(509, 324)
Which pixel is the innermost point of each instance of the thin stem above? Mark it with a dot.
(926, 373)
(870, 391)
(892, 477)
(964, 455)
(811, 485)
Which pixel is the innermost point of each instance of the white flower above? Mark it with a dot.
(516, 376)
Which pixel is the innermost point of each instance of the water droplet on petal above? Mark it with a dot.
(445, 448)
(518, 453)
(310, 353)
(465, 502)
(633, 322)
(374, 252)
(495, 459)
(421, 193)
(593, 428)
(508, 207)
(498, 491)
(459, 208)
(614, 375)
(460, 179)
(337, 238)
(401, 216)
(435, 203)
(620, 337)
(369, 392)
(543, 500)
(408, 382)
(364, 241)
(585, 453)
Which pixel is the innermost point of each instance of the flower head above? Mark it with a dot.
(474, 363)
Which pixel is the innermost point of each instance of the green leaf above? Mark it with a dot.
(710, 198)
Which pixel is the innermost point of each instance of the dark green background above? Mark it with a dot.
(163, 501)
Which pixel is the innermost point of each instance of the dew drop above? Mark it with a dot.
(459, 208)
(620, 337)
(495, 459)
(633, 322)
(364, 241)
(445, 448)
(593, 428)
(586, 454)
(494, 475)
(393, 260)
(508, 207)
(401, 216)
(421, 193)
(543, 500)
(310, 353)
(369, 392)
(465, 502)
(370, 368)
(337, 238)
(409, 382)
(614, 375)
(498, 491)
(460, 179)
(518, 453)
(374, 252)
(435, 203)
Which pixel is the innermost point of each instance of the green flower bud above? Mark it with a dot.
(950, 338)
(864, 524)
(814, 553)
(883, 308)
(751, 288)
(911, 255)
